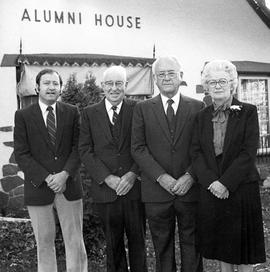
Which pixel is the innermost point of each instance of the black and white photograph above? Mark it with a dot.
(135, 136)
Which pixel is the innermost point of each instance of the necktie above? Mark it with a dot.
(115, 115)
(170, 111)
(51, 125)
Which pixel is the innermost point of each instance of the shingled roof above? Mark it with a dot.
(252, 67)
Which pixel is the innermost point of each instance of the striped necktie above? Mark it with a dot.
(115, 115)
(170, 111)
(51, 125)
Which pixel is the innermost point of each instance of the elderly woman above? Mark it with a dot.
(224, 149)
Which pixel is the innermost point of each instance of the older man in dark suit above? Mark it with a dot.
(45, 144)
(161, 137)
(104, 147)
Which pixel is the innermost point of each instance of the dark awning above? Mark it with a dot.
(72, 60)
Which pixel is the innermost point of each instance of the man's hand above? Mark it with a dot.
(218, 190)
(183, 184)
(112, 181)
(57, 182)
(126, 183)
(167, 182)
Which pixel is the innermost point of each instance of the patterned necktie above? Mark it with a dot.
(170, 111)
(115, 115)
(51, 125)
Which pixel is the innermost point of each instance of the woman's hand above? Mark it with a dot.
(218, 190)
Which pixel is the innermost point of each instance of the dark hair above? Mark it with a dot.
(47, 71)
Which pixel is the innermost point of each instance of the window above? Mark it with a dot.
(255, 90)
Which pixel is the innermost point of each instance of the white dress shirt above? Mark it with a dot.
(44, 111)
(109, 109)
(176, 100)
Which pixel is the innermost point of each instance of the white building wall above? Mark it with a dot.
(195, 31)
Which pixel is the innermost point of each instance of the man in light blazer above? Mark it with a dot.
(104, 147)
(45, 144)
(161, 137)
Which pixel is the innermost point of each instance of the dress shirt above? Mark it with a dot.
(176, 100)
(109, 109)
(44, 111)
(220, 120)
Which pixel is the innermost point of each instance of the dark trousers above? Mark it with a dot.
(120, 217)
(161, 218)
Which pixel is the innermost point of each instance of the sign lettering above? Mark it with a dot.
(78, 18)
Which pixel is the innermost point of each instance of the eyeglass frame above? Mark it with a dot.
(218, 82)
(117, 84)
(170, 74)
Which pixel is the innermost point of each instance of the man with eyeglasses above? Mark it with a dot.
(161, 139)
(104, 147)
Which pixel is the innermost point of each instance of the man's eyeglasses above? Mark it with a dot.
(110, 84)
(171, 75)
(222, 82)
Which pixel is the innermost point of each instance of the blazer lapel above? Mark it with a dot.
(183, 113)
(126, 119)
(39, 121)
(208, 134)
(231, 127)
(103, 120)
(158, 109)
(60, 121)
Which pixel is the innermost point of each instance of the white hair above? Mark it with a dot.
(220, 65)
(171, 58)
(115, 68)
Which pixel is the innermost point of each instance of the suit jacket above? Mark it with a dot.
(38, 158)
(101, 155)
(239, 150)
(156, 153)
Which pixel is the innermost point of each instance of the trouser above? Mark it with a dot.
(121, 217)
(161, 218)
(70, 214)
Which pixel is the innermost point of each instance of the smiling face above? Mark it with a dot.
(114, 85)
(167, 76)
(49, 88)
(219, 86)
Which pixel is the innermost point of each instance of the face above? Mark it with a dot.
(49, 88)
(167, 77)
(114, 85)
(219, 86)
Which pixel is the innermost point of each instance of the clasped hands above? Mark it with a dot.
(121, 185)
(57, 182)
(218, 190)
(174, 186)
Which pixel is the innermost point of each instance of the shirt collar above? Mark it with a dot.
(175, 98)
(108, 105)
(44, 107)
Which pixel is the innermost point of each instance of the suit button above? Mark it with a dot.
(118, 154)
(120, 168)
